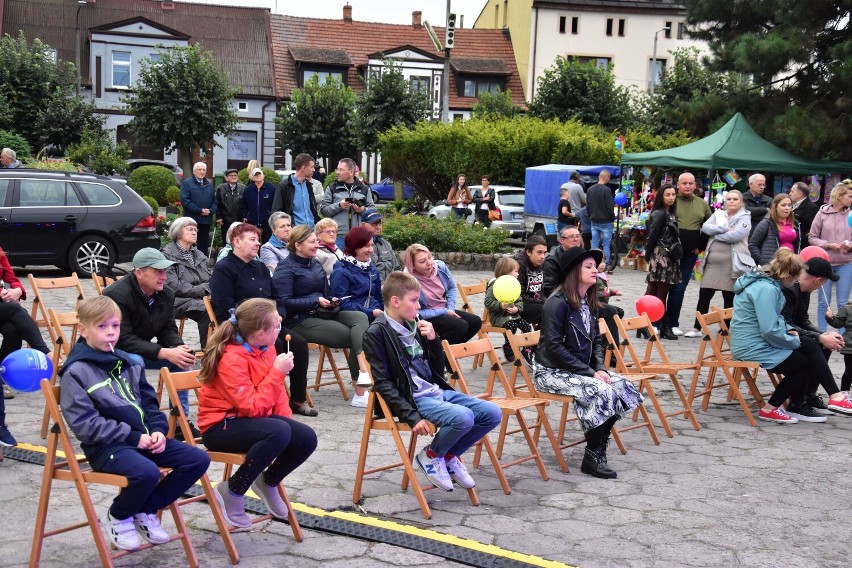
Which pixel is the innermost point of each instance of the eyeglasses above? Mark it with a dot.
(329, 232)
(570, 238)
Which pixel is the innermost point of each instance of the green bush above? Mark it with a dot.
(16, 142)
(329, 179)
(442, 235)
(152, 202)
(269, 175)
(55, 165)
(152, 181)
(97, 153)
(173, 195)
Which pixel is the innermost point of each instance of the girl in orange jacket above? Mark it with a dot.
(243, 408)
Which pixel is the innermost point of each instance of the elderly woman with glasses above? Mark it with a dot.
(328, 252)
(189, 276)
(275, 250)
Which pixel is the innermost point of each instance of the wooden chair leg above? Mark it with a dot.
(495, 462)
(180, 525)
(291, 515)
(687, 407)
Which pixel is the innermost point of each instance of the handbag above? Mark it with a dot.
(741, 260)
(674, 250)
(327, 313)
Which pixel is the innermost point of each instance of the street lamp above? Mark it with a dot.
(80, 4)
(654, 57)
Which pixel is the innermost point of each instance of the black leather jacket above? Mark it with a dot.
(564, 343)
(389, 363)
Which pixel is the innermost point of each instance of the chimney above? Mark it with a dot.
(461, 20)
(347, 13)
(415, 19)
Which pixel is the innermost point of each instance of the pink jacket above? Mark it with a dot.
(831, 226)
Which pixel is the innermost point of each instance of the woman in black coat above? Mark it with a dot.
(663, 251)
(570, 358)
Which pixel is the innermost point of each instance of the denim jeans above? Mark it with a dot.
(157, 364)
(843, 286)
(602, 237)
(461, 420)
(676, 292)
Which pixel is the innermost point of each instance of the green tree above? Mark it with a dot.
(97, 152)
(387, 102)
(495, 105)
(798, 54)
(318, 120)
(182, 102)
(28, 78)
(64, 118)
(570, 89)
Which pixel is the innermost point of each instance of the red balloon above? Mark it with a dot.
(652, 306)
(813, 251)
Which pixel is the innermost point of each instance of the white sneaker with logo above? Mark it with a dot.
(458, 473)
(435, 470)
(120, 532)
(150, 528)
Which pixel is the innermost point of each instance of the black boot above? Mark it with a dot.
(666, 332)
(642, 334)
(594, 463)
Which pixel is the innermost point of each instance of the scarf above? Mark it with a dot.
(330, 246)
(362, 265)
(185, 253)
(431, 285)
(276, 242)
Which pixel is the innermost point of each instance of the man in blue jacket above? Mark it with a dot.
(198, 198)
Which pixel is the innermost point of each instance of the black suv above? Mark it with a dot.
(79, 222)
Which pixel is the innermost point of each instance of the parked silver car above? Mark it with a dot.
(510, 208)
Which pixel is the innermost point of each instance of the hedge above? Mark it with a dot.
(16, 142)
(269, 175)
(441, 235)
(152, 181)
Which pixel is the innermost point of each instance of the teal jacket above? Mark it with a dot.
(758, 330)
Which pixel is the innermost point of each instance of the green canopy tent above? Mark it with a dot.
(736, 145)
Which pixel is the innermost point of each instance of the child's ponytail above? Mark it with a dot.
(250, 316)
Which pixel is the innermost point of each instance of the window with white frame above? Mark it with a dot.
(121, 69)
(420, 84)
(600, 62)
(242, 106)
(656, 70)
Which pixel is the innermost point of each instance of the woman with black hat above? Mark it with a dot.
(570, 358)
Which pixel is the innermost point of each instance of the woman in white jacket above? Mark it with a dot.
(728, 229)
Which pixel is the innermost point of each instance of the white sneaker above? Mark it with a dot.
(363, 380)
(359, 401)
(150, 528)
(458, 472)
(691, 334)
(677, 331)
(121, 533)
(435, 470)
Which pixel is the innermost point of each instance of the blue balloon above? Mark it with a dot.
(849, 219)
(621, 200)
(24, 369)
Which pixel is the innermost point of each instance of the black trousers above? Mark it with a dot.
(203, 242)
(277, 444)
(457, 330)
(301, 357)
(532, 311)
(797, 372)
(203, 320)
(17, 326)
(820, 374)
(704, 297)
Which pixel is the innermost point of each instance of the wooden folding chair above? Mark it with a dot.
(61, 349)
(510, 405)
(208, 305)
(325, 355)
(654, 360)
(76, 470)
(101, 282)
(388, 423)
(466, 291)
(39, 286)
(186, 381)
(712, 356)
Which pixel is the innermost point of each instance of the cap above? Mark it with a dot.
(231, 171)
(821, 268)
(256, 171)
(371, 215)
(151, 257)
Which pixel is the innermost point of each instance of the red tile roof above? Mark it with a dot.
(478, 51)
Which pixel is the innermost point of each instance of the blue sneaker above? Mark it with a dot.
(6, 437)
(435, 470)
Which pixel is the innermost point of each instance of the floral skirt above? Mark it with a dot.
(595, 402)
(663, 269)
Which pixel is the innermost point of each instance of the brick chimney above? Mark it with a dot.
(415, 19)
(347, 13)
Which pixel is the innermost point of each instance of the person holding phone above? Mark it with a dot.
(301, 291)
(355, 279)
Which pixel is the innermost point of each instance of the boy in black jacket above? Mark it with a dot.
(407, 366)
(115, 414)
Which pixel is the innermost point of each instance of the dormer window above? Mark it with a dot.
(121, 69)
(323, 76)
(475, 87)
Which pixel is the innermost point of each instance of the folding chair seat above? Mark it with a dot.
(510, 405)
(386, 422)
(186, 381)
(654, 360)
(39, 286)
(75, 469)
(712, 355)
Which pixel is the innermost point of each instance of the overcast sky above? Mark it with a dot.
(388, 11)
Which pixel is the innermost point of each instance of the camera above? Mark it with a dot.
(358, 202)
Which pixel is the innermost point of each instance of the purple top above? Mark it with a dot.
(787, 236)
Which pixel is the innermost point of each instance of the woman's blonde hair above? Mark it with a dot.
(298, 235)
(505, 265)
(325, 224)
(773, 209)
(785, 265)
(251, 316)
(411, 253)
(837, 192)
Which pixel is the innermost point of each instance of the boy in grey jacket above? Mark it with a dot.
(115, 414)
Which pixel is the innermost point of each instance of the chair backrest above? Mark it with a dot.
(519, 341)
(101, 282)
(455, 353)
(57, 321)
(715, 336)
(613, 351)
(471, 290)
(39, 286)
(654, 350)
(175, 383)
(208, 305)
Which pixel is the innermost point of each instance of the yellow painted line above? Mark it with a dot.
(395, 527)
(43, 450)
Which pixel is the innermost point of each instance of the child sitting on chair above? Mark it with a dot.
(408, 367)
(243, 408)
(505, 315)
(115, 414)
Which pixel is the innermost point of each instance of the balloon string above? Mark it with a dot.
(824, 297)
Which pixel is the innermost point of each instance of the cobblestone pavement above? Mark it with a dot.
(727, 495)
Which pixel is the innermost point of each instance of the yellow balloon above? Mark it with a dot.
(507, 289)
